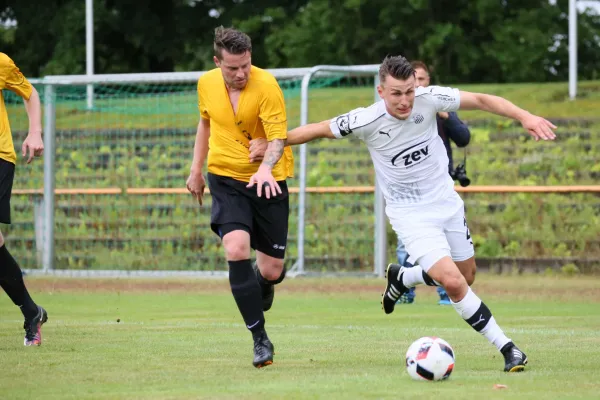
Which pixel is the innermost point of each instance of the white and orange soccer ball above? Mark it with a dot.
(430, 359)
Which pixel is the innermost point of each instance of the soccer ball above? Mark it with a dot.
(430, 359)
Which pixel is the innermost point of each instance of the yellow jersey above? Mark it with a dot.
(12, 79)
(260, 114)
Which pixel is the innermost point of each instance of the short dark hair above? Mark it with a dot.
(420, 64)
(397, 66)
(231, 40)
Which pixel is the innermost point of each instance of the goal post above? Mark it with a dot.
(102, 197)
(379, 226)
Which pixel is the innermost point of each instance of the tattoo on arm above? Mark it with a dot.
(274, 152)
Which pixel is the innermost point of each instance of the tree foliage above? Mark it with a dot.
(463, 40)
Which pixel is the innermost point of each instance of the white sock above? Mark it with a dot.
(476, 313)
(414, 276)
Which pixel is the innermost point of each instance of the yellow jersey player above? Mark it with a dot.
(239, 102)
(11, 276)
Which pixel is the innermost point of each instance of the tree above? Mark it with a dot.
(462, 40)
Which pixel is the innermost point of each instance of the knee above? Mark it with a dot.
(1, 240)
(470, 277)
(272, 269)
(468, 269)
(236, 250)
(454, 284)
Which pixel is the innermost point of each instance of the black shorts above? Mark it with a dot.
(7, 176)
(236, 207)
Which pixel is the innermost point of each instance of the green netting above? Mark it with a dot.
(156, 98)
(142, 136)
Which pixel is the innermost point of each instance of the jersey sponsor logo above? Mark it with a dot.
(444, 97)
(411, 155)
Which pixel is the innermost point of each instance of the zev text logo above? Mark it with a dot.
(411, 155)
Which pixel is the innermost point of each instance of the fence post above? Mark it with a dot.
(49, 178)
(38, 223)
(298, 267)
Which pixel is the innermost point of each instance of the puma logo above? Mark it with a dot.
(386, 133)
(480, 320)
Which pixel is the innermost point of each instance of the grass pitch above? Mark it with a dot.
(159, 339)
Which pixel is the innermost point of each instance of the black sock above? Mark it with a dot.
(429, 280)
(11, 280)
(265, 283)
(247, 295)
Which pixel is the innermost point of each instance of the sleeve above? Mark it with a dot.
(202, 100)
(272, 113)
(13, 79)
(351, 123)
(457, 130)
(445, 98)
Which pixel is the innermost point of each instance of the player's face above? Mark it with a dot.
(235, 68)
(399, 96)
(422, 77)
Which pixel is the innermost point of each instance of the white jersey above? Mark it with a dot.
(410, 160)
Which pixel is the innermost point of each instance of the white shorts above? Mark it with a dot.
(433, 231)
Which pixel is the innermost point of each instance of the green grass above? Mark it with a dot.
(184, 340)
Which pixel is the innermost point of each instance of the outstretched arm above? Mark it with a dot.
(310, 132)
(537, 127)
(303, 134)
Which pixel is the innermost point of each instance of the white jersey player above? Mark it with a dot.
(411, 163)
(411, 167)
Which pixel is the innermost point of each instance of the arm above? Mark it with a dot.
(33, 143)
(16, 82)
(302, 134)
(273, 117)
(195, 182)
(457, 130)
(34, 112)
(272, 154)
(537, 127)
(310, 132)
(201, 146)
